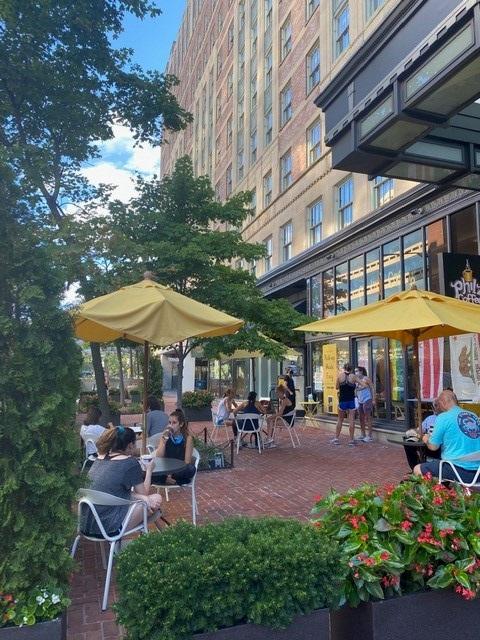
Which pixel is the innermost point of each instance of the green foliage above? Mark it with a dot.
(207, 452)
(400, 539)
(197, 399)
(189, 579)
(39, 384)
(39, 605)
(91, 400)
(155, 378)
(178, 229)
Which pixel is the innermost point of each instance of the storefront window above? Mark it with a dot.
(392, 270)
(341, 288)
(436, 242)
(379, 377)
(316, 296)
(463, 230)
(328, 294)
(397, 379)
(201, 373)
(357, 283)
(361, 347)
(413, 260)
(372, 273)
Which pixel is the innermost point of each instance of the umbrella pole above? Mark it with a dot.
(146, 356)
(416, 373)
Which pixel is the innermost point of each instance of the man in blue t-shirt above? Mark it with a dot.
(457, 432)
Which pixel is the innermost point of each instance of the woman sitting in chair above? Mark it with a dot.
(251, 405)
(91, 430)
(116, 471)
(226, 406)
(285, 406)
(176, 442)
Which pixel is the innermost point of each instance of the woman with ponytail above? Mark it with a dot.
(118, 472)
(176, 442)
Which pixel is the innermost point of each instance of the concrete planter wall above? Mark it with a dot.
(313, 626)
(50, 630)
(198, 414)
(442, 615)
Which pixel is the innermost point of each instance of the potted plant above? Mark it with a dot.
(38, 615)
(412, 540)
(135, 395)
(235, 579)
(197, 405)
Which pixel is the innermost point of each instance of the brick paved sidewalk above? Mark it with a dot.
(281, 481)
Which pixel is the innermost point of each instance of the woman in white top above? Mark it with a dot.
(226, 406)
(91, 430)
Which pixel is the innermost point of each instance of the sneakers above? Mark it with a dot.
(270, 444)
(367, 439)
(334, 441)
(352, 443)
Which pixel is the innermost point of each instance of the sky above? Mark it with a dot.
(151, 39)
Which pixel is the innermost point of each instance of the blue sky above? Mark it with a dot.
(151, 39)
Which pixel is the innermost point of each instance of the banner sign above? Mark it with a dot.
(465, 365)
(460, 276)
(431, 367)
(330, 374)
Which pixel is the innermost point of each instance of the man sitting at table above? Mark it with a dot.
(457, 432)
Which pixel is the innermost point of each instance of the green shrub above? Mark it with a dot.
(207, 452)
(155, 378)
(189, 579)
(197, 399)
(133, 408)
(39, 383)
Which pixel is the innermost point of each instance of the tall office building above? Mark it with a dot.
(269, 81)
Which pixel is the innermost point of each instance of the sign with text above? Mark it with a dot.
(330, 374)
(460, 276)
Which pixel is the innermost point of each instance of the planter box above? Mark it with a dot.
(313, 626)
(198, 414)
(50, 630)
(442, 615)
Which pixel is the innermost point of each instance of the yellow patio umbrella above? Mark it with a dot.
(409, 316)
(149, 313)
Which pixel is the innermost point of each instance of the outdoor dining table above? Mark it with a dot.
(168, 465)
(311, 408)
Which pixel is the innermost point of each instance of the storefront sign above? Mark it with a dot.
(330, 374)
(461, 276)
(465, 365)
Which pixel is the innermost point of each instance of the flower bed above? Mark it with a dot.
(405, 538)
(33, 616)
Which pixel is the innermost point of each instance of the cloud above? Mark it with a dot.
(108, 173)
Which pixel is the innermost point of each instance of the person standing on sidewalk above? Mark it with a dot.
(365, 403)
(346, 384)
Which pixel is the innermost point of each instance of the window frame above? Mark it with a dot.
(317, 146)
(229, 181)
(267, 259)
(286, 38)
(342, 208)
(370, 11)
(318, 225)
(377, 187)
(286, 177)
(286, 108)
(267, 189)
(308, 66)
(286, 240)
(268, 131)
(309, 10)
(339, 7)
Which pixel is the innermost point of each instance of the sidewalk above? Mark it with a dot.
(281, 481)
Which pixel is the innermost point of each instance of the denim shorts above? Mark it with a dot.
(347, 405)
(219, 422)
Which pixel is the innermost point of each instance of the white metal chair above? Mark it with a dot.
(287, 422)
(217, 429)
(471, 457)
(90, 499)
(90, 452)
(248, 424)
(152, 442)
(189, 485)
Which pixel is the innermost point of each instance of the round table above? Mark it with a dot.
(168, 465)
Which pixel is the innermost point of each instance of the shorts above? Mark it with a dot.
(365, 408)
(347, 405)
(433, 467)
(219, 422)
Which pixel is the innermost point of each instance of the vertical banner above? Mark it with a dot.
(430, 354)
(330, 373)
(464, 350)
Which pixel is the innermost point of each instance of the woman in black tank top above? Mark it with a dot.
(176, 442)
(346, 384)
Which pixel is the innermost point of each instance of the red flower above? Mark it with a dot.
(364, 537)
(354, 521)
(445, 532)
(427, 476)
(317, 498)
(406, 525)
(353, 502)
(384, 555)
(437, 500)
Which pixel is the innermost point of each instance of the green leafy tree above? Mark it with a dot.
(63, 83)
(177, 228)
(39, 373)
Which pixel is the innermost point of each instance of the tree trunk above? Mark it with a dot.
(131, 362)
(120, 374)
(100, 382)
